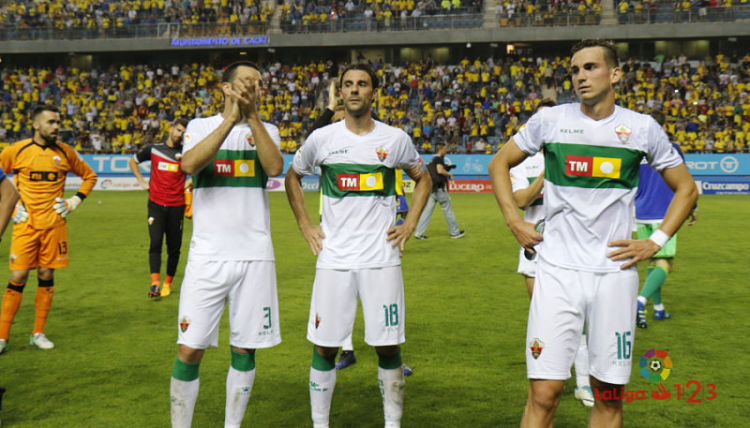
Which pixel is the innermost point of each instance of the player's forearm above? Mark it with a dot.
(89, 180)
(136, 170)
(296, 198)
(499, 170)
(8, 198)
(680, 208)
(525, 197)
(422, 191)
(195, 159)
(268, 154)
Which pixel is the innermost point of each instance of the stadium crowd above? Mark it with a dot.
(102, 15)
(474, 105)
(548, 12)
(304, 15)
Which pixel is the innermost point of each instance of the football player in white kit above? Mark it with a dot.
(586, 274)
(358, 241)
(231, 261)
(527, 179)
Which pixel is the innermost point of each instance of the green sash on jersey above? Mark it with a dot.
(232, 168)
(340, 180)
(580, 165)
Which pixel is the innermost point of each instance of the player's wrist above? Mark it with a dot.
(659, 237)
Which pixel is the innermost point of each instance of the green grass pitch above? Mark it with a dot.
(466, 318)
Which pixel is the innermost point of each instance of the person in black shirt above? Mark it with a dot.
(439, 172)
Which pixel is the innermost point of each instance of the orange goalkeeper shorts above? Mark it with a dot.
(31, 247)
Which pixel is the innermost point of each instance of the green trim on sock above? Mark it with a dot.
(322, 363)
(654, 280)
(390, 362)
(243, 362)
(185, 371)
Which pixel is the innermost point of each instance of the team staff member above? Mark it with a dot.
(166, 203)
(40, 235)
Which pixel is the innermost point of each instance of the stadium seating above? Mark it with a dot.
(117, 110)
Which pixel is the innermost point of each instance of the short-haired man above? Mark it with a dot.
(586, 273)
(440, 175)
(40, 234)
(358, 241)
(166, 203)
(230, 156)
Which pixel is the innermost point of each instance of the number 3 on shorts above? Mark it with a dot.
(267, 310)
(391, 315)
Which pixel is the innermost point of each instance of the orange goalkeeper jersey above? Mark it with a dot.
(39, 173)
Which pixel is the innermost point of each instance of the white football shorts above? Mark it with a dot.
(248, 288)
(562, 302)
(526, 267)
(334, 304)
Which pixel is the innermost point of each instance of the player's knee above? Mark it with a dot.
(190, 355)
(45, 274)
(387, 351)
(545, 396)
(326, 352)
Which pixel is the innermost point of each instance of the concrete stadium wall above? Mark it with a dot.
(433, 37)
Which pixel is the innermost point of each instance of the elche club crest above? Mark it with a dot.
(536, 346)
(249, 139)
(382, 153)
(184, 323)
(623, 133)
(56, 159)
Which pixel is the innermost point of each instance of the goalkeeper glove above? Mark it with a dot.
(21, 215)
(66, 206)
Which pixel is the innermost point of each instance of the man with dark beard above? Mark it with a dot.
(40, 236)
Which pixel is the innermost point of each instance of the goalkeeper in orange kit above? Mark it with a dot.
(40, 236)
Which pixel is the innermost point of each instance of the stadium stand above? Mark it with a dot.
(474, 104)
(89, 19)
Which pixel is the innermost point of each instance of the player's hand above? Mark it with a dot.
(20, 215)
(633, 250)
(693, 218)
(66, 206)
(332, 100)
(398, 235)
(144, 185)
(526, 235)
(314, 237)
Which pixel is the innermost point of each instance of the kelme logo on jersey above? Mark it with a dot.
(623, 133)
(592, 166)
(234, 168)
(166, 166)
(360, 182)
(536, 346)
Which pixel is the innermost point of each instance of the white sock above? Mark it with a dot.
(582, 363)
(391, 383)
(659, 307)
(348, 345)
(322, 384)
(642, 300)
(182, 396)
(239, 386)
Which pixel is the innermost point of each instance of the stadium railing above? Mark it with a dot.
(135, 31)
(411, 23)
(665, 13)
(549, 19)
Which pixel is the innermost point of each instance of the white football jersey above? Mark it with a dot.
(591, 178)
(231, 219)
(521, 177)
(358, 191)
